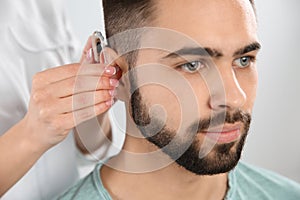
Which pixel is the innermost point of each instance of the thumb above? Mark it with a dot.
(87, 54)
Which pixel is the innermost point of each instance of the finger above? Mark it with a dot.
(67, 71)
(97, 70)
(87, 52)
(73, 119)
(84, 100)
(80, 84)
(88, 58)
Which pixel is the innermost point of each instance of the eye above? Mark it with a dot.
(192, 67)
(244, 62)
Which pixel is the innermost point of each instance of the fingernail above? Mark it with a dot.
(89, 54)
(110, 70)
(114, 82)
(112, 93)
(110, 102)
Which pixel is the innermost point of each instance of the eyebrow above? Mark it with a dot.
(199, 51)
(194, 51)
(251, 47)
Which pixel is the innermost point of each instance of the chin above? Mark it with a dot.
(222, 158)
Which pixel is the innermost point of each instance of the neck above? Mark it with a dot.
(129, 176)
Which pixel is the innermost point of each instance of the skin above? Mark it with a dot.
(234, 29)
(50, 117)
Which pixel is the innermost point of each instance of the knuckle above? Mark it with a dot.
(36, 79)
(43, 113)
(56, 125)
(85, 114)
(73, 68)
(100, 108)
(38, 96)
(104, 81)
(105, 95)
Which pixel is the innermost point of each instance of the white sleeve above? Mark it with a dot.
(75, 47)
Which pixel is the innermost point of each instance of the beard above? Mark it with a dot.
(185, 151)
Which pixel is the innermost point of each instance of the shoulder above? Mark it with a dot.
(259, 183)
(89, 187)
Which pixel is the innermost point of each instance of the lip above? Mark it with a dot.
(225, 134)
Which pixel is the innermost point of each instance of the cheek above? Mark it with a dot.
(166, 104)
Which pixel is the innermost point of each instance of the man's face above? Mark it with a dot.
(222, 81)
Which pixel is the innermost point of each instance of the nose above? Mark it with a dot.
(227, 94)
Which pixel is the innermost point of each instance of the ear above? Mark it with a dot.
(110, 57)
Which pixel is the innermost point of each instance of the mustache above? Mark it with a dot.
(222, 118)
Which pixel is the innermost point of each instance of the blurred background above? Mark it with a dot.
(274, 140)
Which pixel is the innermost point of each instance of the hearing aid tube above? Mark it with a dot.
(98, 45)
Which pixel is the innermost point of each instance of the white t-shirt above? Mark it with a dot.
(34, 36)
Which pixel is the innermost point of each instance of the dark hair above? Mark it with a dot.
(121, 15)
(124, 15)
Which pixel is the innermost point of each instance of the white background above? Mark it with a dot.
(274, 137)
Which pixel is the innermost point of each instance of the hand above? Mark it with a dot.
(66, 96)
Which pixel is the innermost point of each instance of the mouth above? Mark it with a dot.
(224, 134)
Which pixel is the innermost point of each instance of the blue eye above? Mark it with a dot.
(192, 67)
(244, 62)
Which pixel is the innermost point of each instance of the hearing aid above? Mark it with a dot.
(98, 44)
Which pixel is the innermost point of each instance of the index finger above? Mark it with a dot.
(71, 70)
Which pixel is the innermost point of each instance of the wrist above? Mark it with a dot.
(29, 138)
(90, 138)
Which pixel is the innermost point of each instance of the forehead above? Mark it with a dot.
(221, 24)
